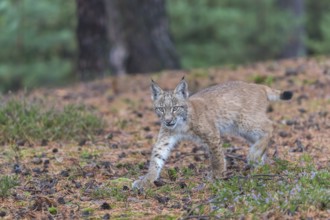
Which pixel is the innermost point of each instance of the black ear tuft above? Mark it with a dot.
(286, 95)
(182, 78)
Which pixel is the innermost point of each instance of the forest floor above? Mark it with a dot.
(90, 177)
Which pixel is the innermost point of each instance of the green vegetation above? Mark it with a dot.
(87, 211)
(107, 192)
(52, 210)
(117, 189)
(283, 188)
(172, 174)
(317, 27)
(259, 79)
(187, 172)
(85, 154)
(39, 46)
(30, 122)
(6, 184)
(212, 33)
(37, 43)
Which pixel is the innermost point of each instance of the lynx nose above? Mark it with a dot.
(168, 121)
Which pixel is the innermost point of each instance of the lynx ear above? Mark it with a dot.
(155, 90)
(182, 89)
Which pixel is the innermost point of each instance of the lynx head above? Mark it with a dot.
(170, 106)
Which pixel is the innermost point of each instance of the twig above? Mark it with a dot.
(235, 156)
(275, 155)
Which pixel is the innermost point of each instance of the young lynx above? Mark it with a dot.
(231, 108)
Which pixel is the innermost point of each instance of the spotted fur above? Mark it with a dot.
(231, 108)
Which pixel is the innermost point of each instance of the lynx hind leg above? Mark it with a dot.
(262, 136)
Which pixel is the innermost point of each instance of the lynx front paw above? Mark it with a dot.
(218, 174)
(141, 184)
(256, 160)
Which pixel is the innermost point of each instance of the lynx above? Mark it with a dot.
(233, 108)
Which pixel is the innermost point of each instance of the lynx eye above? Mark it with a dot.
(160, 109)
(176, 108)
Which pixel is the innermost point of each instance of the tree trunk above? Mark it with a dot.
(92, 39)
(139, 36)
(295, 45)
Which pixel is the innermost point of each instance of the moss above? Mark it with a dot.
(31, 122)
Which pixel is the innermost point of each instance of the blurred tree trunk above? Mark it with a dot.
(92, 39)
(295, 45)
(130, 36)
(139, 36)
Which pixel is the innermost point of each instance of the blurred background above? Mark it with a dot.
(51, 43)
